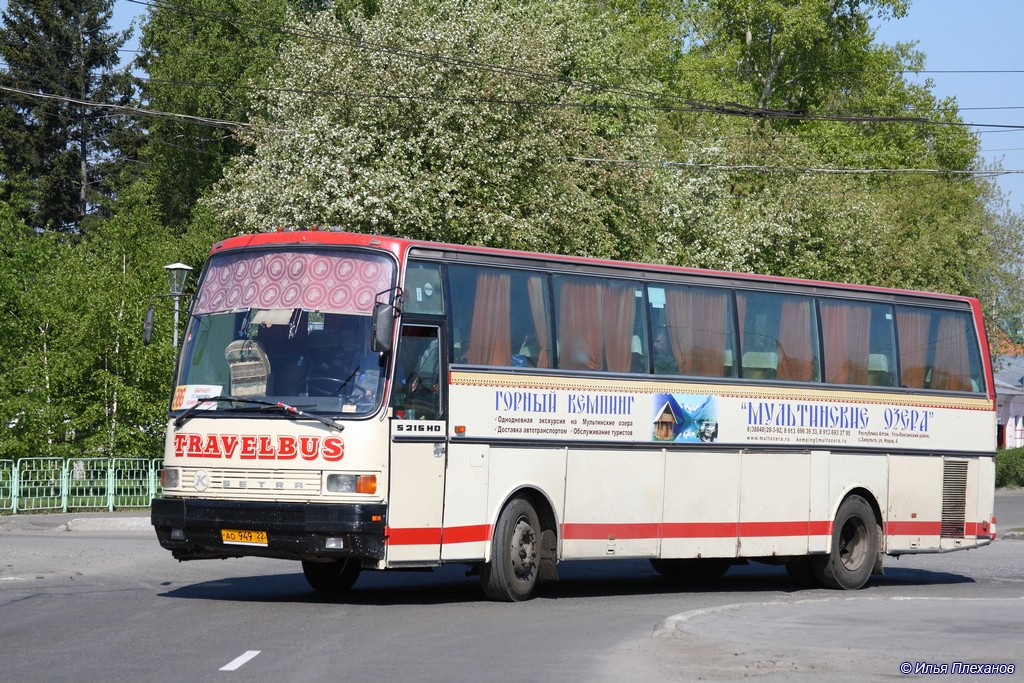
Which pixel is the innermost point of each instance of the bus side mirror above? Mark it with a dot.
(147, 326)
(383, 327)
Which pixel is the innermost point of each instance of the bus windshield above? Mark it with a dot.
(290, 326)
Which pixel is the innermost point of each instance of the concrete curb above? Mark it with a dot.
(135, 520)
(109, 524)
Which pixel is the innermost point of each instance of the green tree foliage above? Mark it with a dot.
(204, 58)
(77, 376)
(447, 121)
(786, 54)
(693, 132)
(61, 154)
(617, 131)
(798, 93)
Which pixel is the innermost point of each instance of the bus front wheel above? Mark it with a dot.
(511, 575)
(854, 547)
(333, 577)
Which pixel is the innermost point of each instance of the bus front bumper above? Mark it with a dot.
(197, 529)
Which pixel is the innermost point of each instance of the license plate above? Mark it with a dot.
(237, 537)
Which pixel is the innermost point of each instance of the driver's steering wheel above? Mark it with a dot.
(323, 386)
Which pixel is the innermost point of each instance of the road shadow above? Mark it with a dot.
(444, 585)
(454, 584)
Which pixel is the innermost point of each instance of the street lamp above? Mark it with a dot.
(177, 276)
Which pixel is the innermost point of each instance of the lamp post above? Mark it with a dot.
(177, 276)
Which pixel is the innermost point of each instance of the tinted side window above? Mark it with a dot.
(860, 344)
(600, 324)
(423, 289)
(938, 350)
(778, 337)
(500, 317)
(692, 330)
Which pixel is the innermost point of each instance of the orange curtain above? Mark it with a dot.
(796, 343)
(699, 325)
(580, 325)
(538, 311)
(619, 315)
(912, 327)
(490, 339)
(677, 312)
(846, 328)
(952, 369)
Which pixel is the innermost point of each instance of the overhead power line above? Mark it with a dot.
(201, 120)
(726, 109)
(794, 169)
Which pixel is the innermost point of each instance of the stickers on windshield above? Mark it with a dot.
(188, 395)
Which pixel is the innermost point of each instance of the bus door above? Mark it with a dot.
(418, 447)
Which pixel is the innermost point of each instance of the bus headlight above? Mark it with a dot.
(170, 478)
(352, 483)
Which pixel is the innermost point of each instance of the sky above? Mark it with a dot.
(975, 36)
(975, 53)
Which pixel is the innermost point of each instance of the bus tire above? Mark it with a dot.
(331, 578)
(700, 570)
(854, 547)
(511, 575)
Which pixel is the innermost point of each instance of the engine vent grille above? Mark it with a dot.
(954, 498)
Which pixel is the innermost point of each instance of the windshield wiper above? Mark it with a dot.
(264, 406)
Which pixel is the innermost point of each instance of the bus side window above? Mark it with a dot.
(779, 336)
(860, 343)
(423, 292)
(600, 324)
(693, 332)
(938, 350)
(500, 317)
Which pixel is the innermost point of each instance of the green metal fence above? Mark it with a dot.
(56, 484)
(7, 486)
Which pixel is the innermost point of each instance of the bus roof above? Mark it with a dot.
(401, 246)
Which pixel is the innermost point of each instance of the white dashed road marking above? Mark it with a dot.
(237, 662)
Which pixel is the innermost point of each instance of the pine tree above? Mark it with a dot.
(62, 151)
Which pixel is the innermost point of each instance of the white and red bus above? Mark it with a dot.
(358, 402)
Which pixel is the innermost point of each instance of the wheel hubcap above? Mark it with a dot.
(853, 544)
(524, 549)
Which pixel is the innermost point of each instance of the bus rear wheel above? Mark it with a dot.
(511, 575)
(331, 578)
(854, 547)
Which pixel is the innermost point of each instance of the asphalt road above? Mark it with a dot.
(93, 597)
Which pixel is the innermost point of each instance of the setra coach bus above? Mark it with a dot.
(358, 402)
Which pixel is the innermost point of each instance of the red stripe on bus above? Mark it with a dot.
(699, 530)
(407, 536)
(578, 532)
(582, 532)
(434, 535)
(466, 534)
(978, 530)
(592, 532)
(905, 528)
(810, 528)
